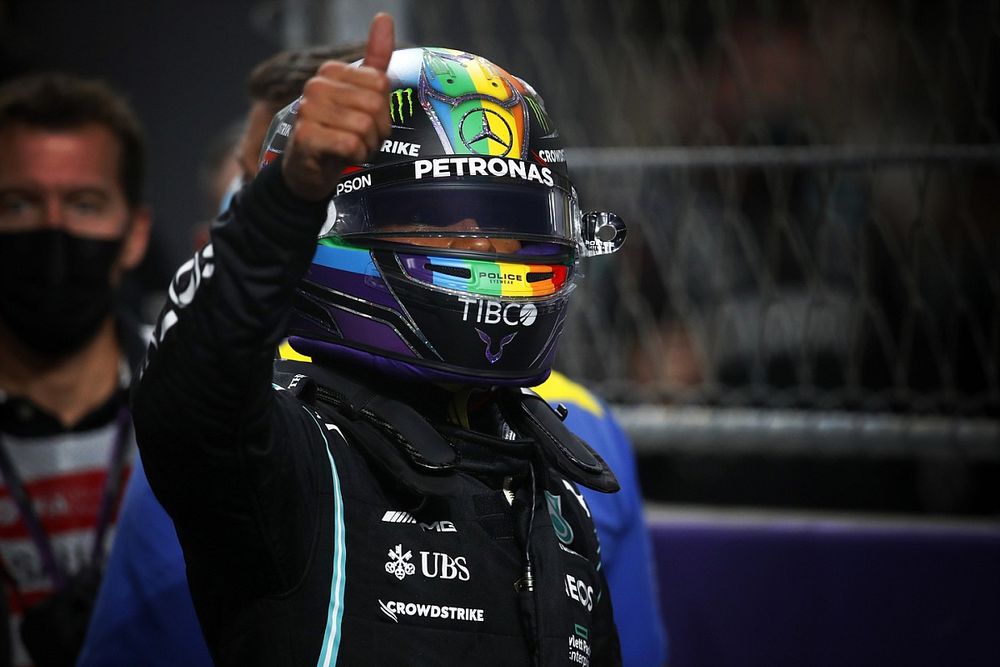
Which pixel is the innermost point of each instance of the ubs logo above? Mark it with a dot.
(433, 565)
(437, 565)
(481, 126)
(399, 563)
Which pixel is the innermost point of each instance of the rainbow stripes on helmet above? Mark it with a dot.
(481, 277)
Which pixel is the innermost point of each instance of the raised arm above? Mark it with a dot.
(203, 408)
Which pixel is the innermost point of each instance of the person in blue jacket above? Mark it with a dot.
(625, 545)
(144, 613)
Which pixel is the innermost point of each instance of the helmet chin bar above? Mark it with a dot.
(602, 233)
(410, 370)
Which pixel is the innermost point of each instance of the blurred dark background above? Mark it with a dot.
(806, 314)
(802, 335)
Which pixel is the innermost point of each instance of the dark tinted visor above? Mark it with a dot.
(460, 206)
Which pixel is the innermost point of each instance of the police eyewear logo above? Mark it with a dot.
(433, 565)
(394, 609)
(500, 278)
(479, 127)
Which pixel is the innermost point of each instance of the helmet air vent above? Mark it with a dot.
(456, 271)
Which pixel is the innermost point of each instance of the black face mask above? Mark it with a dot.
(55, 288)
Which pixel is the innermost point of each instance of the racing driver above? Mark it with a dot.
(394, 496)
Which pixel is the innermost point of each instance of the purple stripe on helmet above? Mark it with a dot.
(415, 267)
(408, 372)
(540, 249)
(369, 287)
(371, 332)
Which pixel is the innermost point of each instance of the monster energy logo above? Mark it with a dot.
(400, 97)
(563, 530)
(539, 112)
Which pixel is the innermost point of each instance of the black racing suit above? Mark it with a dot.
(329, 516)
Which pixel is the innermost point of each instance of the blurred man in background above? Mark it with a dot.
(144, 614)
(71, 224)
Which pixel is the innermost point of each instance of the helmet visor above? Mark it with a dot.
(381, 204)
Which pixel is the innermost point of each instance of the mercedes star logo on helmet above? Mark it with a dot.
(478, 121)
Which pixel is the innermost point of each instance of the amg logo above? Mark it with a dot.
(432, 527)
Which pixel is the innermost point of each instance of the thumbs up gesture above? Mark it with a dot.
(343, 117)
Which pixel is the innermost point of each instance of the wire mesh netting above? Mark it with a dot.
(811, 189)
(826, 286)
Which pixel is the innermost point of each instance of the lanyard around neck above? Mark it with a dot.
(112, 487)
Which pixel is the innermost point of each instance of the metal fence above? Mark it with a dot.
(812, 190)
